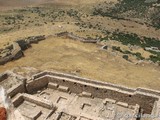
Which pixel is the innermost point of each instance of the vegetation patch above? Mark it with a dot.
(146, 12)
(133, 39)
(125, 56)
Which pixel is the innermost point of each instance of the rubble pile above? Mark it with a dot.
(15, 50)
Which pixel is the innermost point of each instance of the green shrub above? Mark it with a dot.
(125, 57)
(117, 48)
(154, 58)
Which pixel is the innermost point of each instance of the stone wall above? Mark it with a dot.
(37, 84)
(33, 99)
(15, 53)
(146, 102)
(15, 50)
(26, 42)
(143, 97)
(19, 88)
(41, 102)
(75, 37)
(121, 88)
(3, 76)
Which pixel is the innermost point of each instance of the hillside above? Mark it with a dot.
(130, 30)
(143, 11)
(87, 60)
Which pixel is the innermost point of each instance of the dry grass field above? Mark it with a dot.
(87, 60)
(66, 55)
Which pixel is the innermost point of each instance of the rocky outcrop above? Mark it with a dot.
(11, 54)
(15, 50)
(26, 43)
(23, 44)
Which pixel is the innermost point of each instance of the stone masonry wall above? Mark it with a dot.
(146, 102)
(144, 97)
(37, 84)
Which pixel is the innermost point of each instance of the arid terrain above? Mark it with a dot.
(125, 62)
(79, 59)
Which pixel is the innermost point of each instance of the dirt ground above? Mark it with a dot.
(87, 60)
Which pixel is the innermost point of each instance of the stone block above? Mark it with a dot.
(107, 100)
(63, 88)
(86, 94)
(122, 104)
(52, 85)
(31, 115)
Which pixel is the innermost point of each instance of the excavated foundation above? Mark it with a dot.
(57, 96)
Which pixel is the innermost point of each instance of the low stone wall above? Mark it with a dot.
(75, 37)
(38, 75)
(26, 42)
(17, 47)
(148, 91)
(17, 100)
(33, 99)
(3, 76)
(41, 102)
(19, 88)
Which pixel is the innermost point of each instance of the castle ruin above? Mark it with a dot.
(58, 96)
